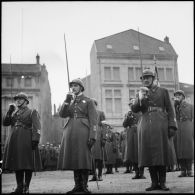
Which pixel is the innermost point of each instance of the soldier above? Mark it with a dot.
(156, 128)
(130, 122)
(185, 133)
(118, 153)
(21, 151)
(79, 135)
(98, 148)
(110, 148)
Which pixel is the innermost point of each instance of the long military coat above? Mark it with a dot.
(154, 146)
(110, 147)
(74, 152)
(97, 149)
(25, 123)
(131, 154)
(185, 133)
(123, 143)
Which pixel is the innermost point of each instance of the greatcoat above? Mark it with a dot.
(110, 147)
(82, 125)
(25, 126)
(97, 149)
(132, 137)
(185, 132)
(154, 146)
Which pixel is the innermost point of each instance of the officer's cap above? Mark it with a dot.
(180, 92)
(79, 82)
(21, 95)
(147, 72)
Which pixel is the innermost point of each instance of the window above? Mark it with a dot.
(131, 93)
(113, 101)
(112, 73)
(108, 95)
(135, 47)
(116, 73)
(169, 74)
(130, 74)
(28, 82)
(108, 46)
(9, 82)
(138, 73)
(161, 48)
(107, 73)
(161, 74)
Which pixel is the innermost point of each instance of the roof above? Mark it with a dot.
(187, 88)
(123, 42)
(22, 68)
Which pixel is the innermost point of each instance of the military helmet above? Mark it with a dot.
(79, 82)
(179, 92)
(147, 72)
(21, 95)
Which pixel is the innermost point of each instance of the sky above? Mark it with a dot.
(31, 28)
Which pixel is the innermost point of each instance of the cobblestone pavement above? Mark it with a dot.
(62, 181)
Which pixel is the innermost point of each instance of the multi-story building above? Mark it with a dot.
(116, 65)
(33, 80)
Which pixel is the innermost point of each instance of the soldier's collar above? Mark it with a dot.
(153, 88)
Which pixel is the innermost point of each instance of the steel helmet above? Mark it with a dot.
(147, 72)
(21, 95)
(79, 82)
(179, 92)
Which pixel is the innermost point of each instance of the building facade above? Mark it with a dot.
(116, 65)
(31, 79)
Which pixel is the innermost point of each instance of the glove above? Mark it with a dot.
(90, 143)
(171, 132)
(34, 144)
(68, 98)
(11, 108)
(103, 142)
(142, 93)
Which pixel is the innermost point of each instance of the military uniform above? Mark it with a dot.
(155, 148)
(98, 148)
(185, 137)
(110, 148)
(81, 127)
(25, 128)
(130, 122)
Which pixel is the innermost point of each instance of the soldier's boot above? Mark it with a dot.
(94, 178)
(162, 178)
(189, 168)
(183, 168)
(141, 173)
(28, 177)
(19, 180)
(154, 179)
(78, 184)
(100, 172)
(136, 172)
(85, 176)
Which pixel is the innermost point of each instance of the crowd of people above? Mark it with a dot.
(158, 135)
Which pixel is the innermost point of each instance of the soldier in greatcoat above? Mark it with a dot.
(79, 135)
(130, 122)
(98, 147)
(156, 128)
(111, 149)
(185, 133)
(21, 150)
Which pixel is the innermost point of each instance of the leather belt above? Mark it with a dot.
(155, 109)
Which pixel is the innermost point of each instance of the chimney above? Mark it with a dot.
(166, 39)
(38, 59)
